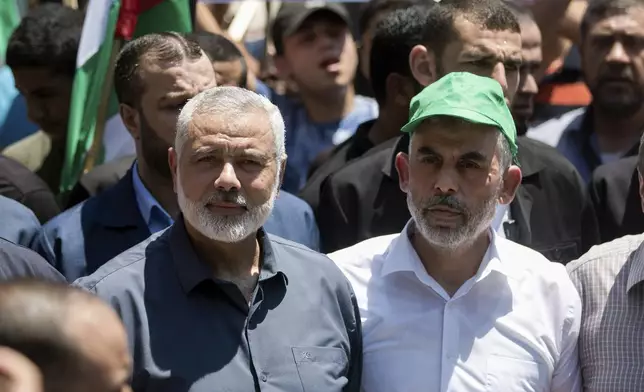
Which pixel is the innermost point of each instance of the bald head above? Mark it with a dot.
(75, 339)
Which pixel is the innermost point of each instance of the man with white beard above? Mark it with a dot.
(214, 303)
(448, 305)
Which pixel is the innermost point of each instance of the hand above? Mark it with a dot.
(17, 373)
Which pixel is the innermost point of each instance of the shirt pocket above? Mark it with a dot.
(321, 369)
(506, 374)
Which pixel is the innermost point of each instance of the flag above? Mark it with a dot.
(105, 21)
(9, 20)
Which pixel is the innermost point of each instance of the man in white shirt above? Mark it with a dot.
(448, 305)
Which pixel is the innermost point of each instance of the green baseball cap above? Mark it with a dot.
(473, 98)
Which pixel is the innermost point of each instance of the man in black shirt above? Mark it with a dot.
(550, 212)
(393, 87)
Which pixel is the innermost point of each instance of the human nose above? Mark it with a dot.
(227, 179)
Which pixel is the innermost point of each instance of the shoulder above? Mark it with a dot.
(621, 168)
(547, 159)
(18, 223)
(551, 131)
(20, 178)
(19, 262)
(126, 271)
(107, 174)
(367, 104)
(527, 265)
(357, 169)
(360, 255)
(290, 201)
(15, 210)
(68, 220)
(605, 259)
(307, 265)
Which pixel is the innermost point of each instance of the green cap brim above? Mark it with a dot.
(465, 114)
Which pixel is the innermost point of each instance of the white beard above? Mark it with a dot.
(453, 238)
(229, 229)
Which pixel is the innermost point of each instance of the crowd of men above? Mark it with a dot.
(456, 231)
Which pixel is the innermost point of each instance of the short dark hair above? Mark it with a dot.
(394, 38)
(602, 9)
(33, 320)
(168, 48)
(48, 36)
(373, 8)
(489, 14)
(220, 49)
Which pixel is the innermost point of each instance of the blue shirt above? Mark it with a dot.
(305, 140)
(153, 214)
(573, 135)
(191, 332)
(14, 124)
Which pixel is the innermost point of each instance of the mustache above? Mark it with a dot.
(617, 75)
(447, 201)
(234, 197)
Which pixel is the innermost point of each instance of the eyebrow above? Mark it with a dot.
(475, 156)
(172, 97)
(478, 54)
(250, 153)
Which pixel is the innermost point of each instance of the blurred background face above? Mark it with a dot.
(227, 175)
(321, 54)
(166, 91)
(452, 177)
(48, 98)
(228, 73)
(495, 54)
(523, 103)
(613, 62)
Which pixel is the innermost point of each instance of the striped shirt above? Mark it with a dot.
(611, 342)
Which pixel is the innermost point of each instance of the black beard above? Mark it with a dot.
(622, 109)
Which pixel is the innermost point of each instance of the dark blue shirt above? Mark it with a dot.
(190, 332)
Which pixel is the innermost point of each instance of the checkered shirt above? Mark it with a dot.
(611, 343)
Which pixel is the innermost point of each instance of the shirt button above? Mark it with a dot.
(263, 377)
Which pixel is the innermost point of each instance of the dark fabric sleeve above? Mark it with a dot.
(590, 229)
(337, 221)
(43, 203)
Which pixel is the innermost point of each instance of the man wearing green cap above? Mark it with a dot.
(551, 212)
(449, 305)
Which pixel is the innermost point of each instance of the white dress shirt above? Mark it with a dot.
(513, 327)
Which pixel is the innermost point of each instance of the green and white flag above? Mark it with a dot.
(105, 21)
(9, 19)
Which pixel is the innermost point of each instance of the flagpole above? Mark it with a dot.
(101, 114)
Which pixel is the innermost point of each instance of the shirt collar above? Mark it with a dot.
(153, 214)
(192, 271)
(402, 257)
(636, 272)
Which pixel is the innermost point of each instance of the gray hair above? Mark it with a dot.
(234, 102)
(505, 154)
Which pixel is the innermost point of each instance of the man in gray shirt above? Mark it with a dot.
(214, 303)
